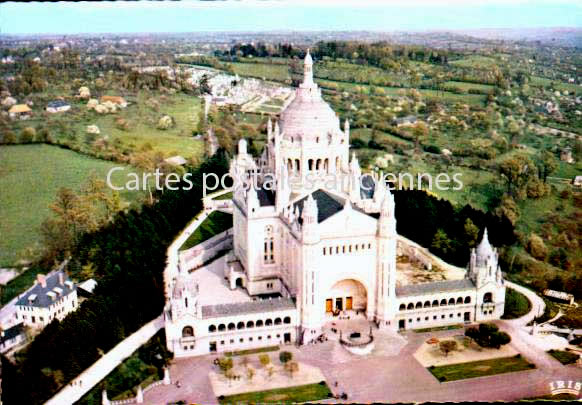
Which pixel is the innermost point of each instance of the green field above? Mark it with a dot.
(475, 61)
(469, 86)
(462, 371)
(299, 394)
(555, 84)
(30, 176)
(215, 223)
(277, 72)
(475, 99)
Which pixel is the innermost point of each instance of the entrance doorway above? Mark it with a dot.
(402, 324)
(328, 305)
(287, 338)
(212, 346)
(348, 303)
(467, 317)
(346, 295)
(239, 282)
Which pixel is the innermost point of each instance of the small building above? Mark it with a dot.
(12, 337)
(119, 101)
(560, 295)
(405, 121)
(53, 296)
(20, 111)
(57, 106)
(176, 160)
(577, 182)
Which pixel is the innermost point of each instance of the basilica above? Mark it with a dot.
(318, 243)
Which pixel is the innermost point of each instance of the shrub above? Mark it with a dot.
(285, 357)
(536, 247)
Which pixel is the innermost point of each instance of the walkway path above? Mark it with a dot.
(85, 381)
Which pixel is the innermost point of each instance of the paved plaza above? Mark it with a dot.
(389, 374)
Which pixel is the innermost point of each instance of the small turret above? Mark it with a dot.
(347, 128)
(309, 217)
(308, 70)
(387, 220)
(242, 147)
(355, 176)
(252, 200)
(283, 189)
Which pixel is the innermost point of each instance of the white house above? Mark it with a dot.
(307, 249)
(12, 337)
(57, 106)
(53, 296)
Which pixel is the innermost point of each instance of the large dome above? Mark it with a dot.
(308, 116)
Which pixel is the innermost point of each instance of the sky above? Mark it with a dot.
(298, 15)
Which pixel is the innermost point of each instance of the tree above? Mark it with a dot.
(285, 357)
(508, 209)
(516, 171)
(488, 335)
(250, 373)
(225, 364)
(292, 367)
(265, 360)
(536, 247)
(441, 243)
(471, 232)
(447, 346)
(547, 164)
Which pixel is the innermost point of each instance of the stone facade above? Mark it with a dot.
(318, 240)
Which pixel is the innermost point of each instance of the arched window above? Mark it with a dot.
(287, 319)
(212, 328)
(221, 327)
(310, 164)
(250, 324)
(443, 302)
(467, 300)
(259, 323)
(435, 303)
(426, 304)
(402, 307)
(268, 322)
(452, 301)
(269, 246)
(297, 165)
(240, 325)
(277, 321)
(410, 306)
(460, 300)
(418, 305)
(231, 326)
(188, 331)
(488, 297)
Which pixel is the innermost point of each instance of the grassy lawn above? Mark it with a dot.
(516, 304)
(215, 223)
(142, 128)
(563, 356)
(252, 351)
(265, 71)
(300, 393)
(20, 283)
(30, 176)
(480, 368)
(555, 84)
(438, 328)
(469, 86)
